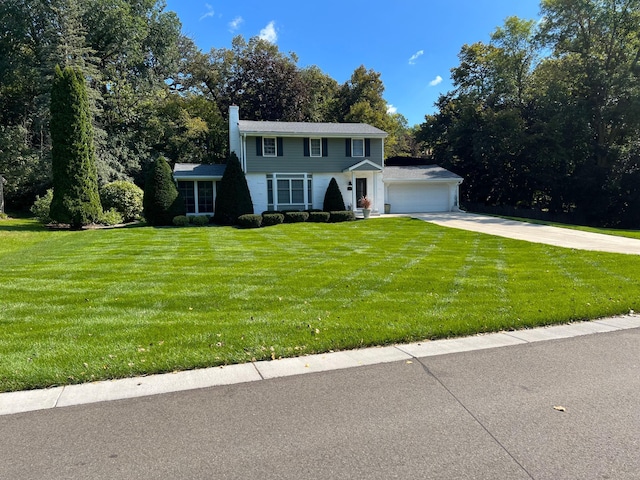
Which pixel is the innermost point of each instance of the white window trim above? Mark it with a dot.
(275, 147)
(306, 177)
(311, 149)
(353, 149)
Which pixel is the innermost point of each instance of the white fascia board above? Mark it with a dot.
(196, 177)
(453, 181)
(310, 134)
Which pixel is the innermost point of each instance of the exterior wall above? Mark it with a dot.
(294, 161)
(257, 184)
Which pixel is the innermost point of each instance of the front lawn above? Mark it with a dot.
(88, 305)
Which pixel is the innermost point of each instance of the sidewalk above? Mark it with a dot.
(25, 401)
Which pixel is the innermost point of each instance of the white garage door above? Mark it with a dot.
(412, 198)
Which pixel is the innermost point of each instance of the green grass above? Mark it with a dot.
(88, 305)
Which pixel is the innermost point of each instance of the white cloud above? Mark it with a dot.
(235, 23)
(435, 81)
(418, 54)
(391, 109)
(210, 12)
(269, 33)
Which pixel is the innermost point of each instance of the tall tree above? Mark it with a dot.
(75, 183)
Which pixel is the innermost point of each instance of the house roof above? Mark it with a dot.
(418, 173)
(197, 170)
(305, 129)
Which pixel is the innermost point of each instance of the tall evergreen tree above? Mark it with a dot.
(233, 197)
(75, 182)
(161, 201)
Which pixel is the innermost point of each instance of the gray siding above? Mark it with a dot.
(294, 161)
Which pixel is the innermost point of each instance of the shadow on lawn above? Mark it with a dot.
(13, 226)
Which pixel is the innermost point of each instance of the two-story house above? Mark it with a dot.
(288, 166)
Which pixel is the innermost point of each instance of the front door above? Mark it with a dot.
(361, 189)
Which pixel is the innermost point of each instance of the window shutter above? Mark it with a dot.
(279, 147)
(367, 147)
(259, 146)
(305, 147)
(347, 144)
(325, 147)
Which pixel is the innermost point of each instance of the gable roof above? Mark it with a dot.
(198, 170)
(308, 129)
(417, 173)
(364, 166)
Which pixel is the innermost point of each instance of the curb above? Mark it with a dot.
(109, 390)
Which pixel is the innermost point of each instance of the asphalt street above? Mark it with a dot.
(560, 409)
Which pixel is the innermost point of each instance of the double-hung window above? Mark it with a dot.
(269, 147)
(198, 195)
(357, 147)
(315, 147)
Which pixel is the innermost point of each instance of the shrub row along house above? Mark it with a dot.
(288, 166)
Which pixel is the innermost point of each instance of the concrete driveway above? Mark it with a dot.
(560, 237)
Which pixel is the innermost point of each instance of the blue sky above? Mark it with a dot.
(413, 44)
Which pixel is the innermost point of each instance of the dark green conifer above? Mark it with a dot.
(75, 181)
(161, 201)
(333, 201)
(232, 197)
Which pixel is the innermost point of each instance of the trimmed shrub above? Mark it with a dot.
(270, 218)
(233, 198)
(41, 206)
(295, 217)
(250, 220)
(319, 217)
(110, 217)
(333, 201)
(180, 221)
(342, 216)
(161, 200)
(125, 197)
(75, 179)
(199, 220)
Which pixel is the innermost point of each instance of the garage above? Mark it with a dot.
(421, 188)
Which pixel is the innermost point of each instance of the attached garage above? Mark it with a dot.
(421, 188)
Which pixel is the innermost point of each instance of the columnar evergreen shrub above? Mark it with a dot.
(232, 197)
(271, 218)
(319, 217)
(295, 217)
(250, 220)
(125, 197)
(161, 201)
(342, 216)
(333, 200)
(75, 180)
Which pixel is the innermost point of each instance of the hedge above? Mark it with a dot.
(271, 218)
(250, 220)
(295, 217)
(319, 217)
(342, 216)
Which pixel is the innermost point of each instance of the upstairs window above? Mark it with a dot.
(357, 147)
(315, 147)
(269, 147)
